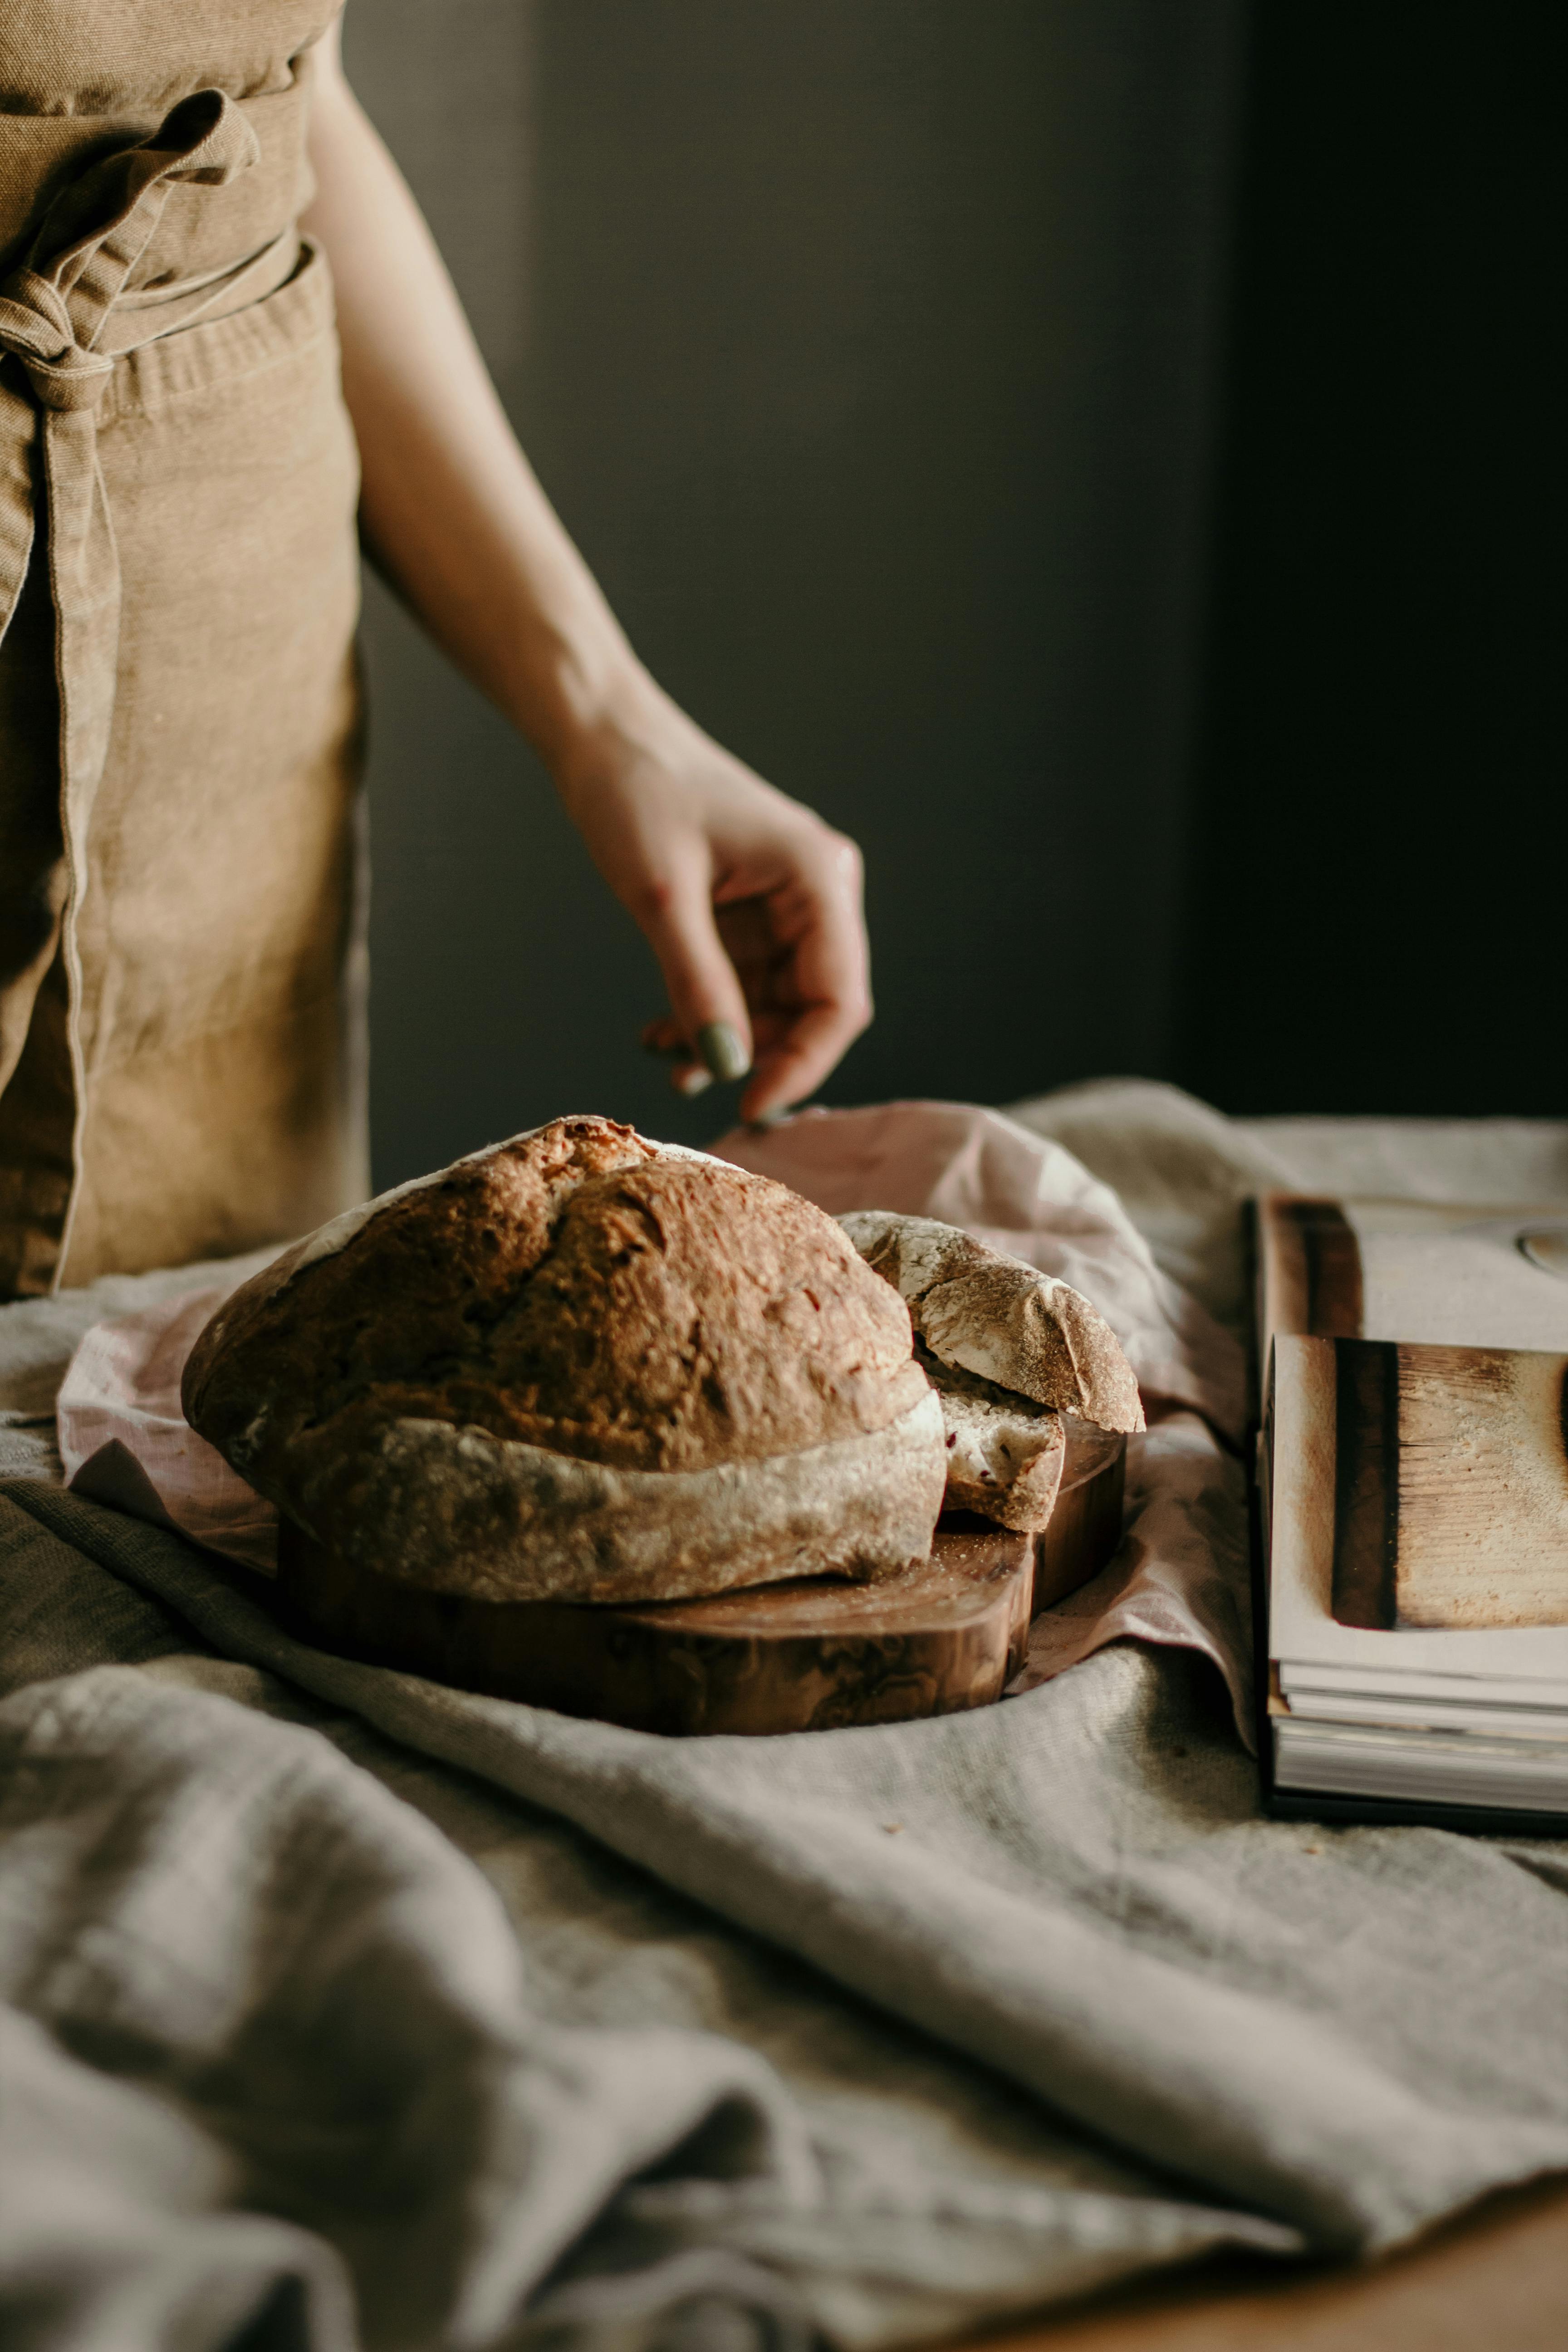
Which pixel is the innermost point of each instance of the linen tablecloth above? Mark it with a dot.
(340, 2007)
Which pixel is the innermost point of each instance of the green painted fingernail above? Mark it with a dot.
(693, 1081)
(723, 1052)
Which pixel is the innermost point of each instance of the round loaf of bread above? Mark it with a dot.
(580, 1366)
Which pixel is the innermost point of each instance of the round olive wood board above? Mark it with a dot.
(815, 1654)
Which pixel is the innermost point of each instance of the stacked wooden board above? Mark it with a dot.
(813, 1653)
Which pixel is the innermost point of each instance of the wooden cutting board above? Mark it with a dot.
(817, 1654)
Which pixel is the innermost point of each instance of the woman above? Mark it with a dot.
(181, 964)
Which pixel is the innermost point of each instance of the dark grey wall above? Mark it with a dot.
(1379, 793)
(867, 347)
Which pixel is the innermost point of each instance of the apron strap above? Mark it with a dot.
(53, 309)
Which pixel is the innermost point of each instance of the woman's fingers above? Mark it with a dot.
(752, 906)
(750, 902)
(824, 985)
(795, 1067)
(792, 958)
(708, 1007)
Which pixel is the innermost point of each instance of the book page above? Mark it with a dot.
(1302, 1458)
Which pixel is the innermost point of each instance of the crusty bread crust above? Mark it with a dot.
(999, 1317)
(454, 1510)
(551, 1368)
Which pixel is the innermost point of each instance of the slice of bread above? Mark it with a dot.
(999, 1317)
(1005, 1453)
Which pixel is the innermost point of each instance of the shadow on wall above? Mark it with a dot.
(868, 352)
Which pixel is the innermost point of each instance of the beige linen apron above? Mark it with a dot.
(181, 965)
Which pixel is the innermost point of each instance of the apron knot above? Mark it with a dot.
(35, 327)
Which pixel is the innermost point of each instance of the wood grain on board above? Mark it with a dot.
(942, 1635)
(1085, 1526)
(1483, 1487)
(1308, 1268)
(1451, 1485)
(1366, 1482)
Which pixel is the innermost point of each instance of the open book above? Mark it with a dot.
(1413, 1461)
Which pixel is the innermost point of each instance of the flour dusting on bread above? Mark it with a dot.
(581, 1365)
(995, 1315)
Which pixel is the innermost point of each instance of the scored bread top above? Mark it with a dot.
(579, 1289)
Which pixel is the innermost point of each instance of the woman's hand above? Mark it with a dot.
(751, 903)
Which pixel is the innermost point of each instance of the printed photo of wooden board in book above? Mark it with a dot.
(1451, 1485)
(1413, 1479)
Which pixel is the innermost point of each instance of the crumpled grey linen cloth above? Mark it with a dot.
(343, 2008)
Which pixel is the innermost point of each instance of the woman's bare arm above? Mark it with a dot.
(751, 903)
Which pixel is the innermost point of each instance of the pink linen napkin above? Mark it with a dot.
(979, 1169)
(1180, 1577)
(124, 1440)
